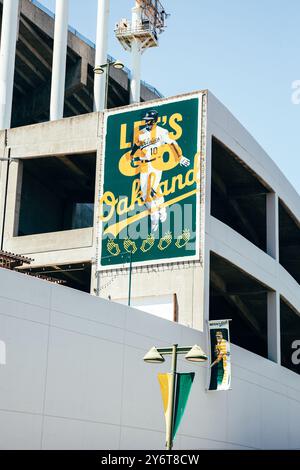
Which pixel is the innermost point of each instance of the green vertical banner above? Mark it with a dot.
(182, 391)
(183, 387)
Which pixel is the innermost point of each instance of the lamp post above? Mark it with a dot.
(156, 356)
(130, 279)
(105, 68)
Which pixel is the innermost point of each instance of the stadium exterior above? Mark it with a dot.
(249, 271)
(75, 379)
(250, 262)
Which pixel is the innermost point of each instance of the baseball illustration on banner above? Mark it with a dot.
(220, 367)
(150, 195)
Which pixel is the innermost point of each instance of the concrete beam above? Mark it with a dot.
(77, 77)
(31, 35)
(56, 241)
(39, 56)
(115, 89)
(30, 65)
(82, 103)
(25, 78)
(31, 107)
(73, 135)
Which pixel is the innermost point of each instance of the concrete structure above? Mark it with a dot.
(9, 34)
(101, 55)
(249, 271)
(33, 27)
(59, 60)
(74, 379)
(148, 21)
(136, 56)
(51, 337)
(252, 237)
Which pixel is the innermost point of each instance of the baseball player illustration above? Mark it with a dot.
(220, 374)
(144, 154)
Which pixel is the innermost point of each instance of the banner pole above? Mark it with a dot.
(130, 280)
(172, 397)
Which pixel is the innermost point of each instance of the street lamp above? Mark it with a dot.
(156, 356)
(104, 68)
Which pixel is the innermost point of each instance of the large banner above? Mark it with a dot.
(150, 189)
(220, 366)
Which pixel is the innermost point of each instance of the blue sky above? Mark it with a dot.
(247, 52)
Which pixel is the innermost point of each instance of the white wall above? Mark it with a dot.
(160, 305)
(74, 378)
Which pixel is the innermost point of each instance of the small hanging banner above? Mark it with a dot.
(220, 358)
(183, 385)
(165, 388)
(183, 388)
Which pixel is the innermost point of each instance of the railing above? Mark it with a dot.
(142, 29)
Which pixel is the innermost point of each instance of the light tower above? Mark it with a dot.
(147, 23)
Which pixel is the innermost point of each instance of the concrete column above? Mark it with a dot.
(3, 180)
(59, 60)
(101, 55)
(273, 226)
(136, 54)
(274, 346)
(206, 282)
(135, 83)
(10, 22)
(3, 189)
(13, 201)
